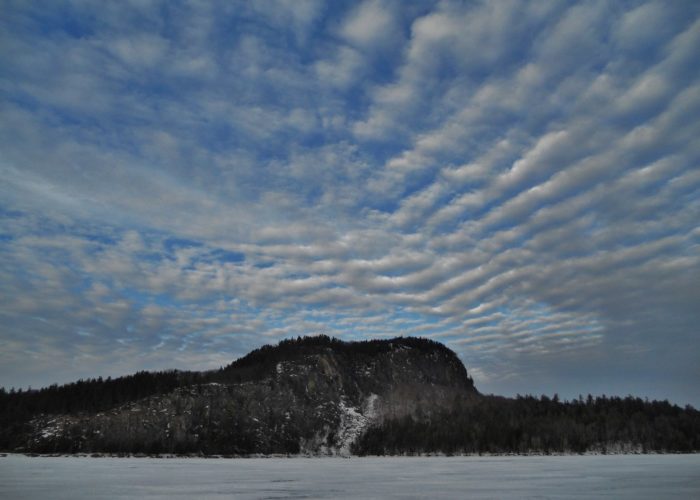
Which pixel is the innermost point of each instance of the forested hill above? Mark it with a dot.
(309, 395)
(99, 394)
(323, 396)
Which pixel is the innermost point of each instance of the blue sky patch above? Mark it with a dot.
(188, 181)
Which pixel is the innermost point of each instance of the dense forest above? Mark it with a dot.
(93, 395)
(98, 394)
(541, 425)
(84, 396)
(473, 424)
(256, 375)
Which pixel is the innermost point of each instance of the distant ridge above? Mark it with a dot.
(323, 396)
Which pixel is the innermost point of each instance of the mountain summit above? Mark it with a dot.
(312, 395)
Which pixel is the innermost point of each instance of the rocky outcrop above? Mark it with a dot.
(315, 395)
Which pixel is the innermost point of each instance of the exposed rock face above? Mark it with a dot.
(315, 395)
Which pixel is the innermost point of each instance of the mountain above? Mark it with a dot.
(322, 396)
(314, 395)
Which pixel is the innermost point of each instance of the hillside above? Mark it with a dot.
(314, 395)
(322, 396)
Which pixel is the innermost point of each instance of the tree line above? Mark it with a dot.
(17, 407)
(540, 425)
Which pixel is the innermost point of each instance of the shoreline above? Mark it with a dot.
(166, 456)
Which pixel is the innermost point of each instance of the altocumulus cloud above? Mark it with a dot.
(182, 182)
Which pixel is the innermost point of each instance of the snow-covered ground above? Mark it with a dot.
(618, 476)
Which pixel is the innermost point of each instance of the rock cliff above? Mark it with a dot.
(315, 395)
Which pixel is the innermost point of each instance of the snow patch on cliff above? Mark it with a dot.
(353, 422)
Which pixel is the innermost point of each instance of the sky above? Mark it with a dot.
(182, 182)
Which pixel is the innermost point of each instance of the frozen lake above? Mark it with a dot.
(611, 476)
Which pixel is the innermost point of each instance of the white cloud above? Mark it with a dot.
(641, 28)
(341, 70)
(141, 51)
(370, 26)
(517, 180)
